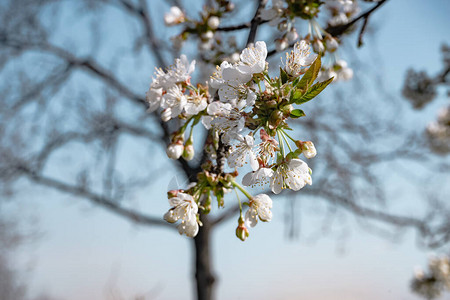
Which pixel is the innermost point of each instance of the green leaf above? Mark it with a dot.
(310, 75)
(314, 91)
(296, 95)
(283, 76)
(297, 113)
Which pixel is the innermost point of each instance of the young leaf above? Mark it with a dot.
(310, 75)
(296, 95)
(283, 76)
(314, 91)
(297, 113)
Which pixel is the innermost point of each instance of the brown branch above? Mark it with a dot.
(340, 29)
(234, 27)
(255, 22)
(361, 33)
(79, 191)
(143, 13)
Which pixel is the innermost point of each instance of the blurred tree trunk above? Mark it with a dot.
(203, 269)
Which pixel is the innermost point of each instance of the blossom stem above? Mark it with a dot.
(286, 134)
(240, 204)
(192, 88)
(183, 128)
(283, 134)
(280, 140)
(237, 185)
(192, 130)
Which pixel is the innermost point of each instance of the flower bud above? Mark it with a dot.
(172, 193)
(213, 22)
(219, 193)
(175, 150)
(235, 57)
(205, 46)
(242, 231)
(286, 109)
(271, 103)
(282, 26)
(292, 35)
(307, 148)
(189, 152)
(318, 46)
(276, 117)
(206, 203)
(332, 43)
(230, 7)
(281, 44)
(174, 16)
(208, 35)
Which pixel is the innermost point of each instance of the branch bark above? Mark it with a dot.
(203, 261)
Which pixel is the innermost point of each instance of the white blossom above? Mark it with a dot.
(216, 80)
(259, 207)
(238, 95)
(228, 74)
(174, 16)
(294, 175)
(195, 103)
(273, 14)
(243, 150)
(176, 73)
(299, 59)
(153, 98)
(253, 59)
(224, 119)
(175, 100)
(185, 209)
(257, 178)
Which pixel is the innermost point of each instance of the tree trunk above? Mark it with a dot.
(203, 273)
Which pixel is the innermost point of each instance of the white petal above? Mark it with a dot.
(253, 161)
(251, 218)
(247, 180)
(276, 183)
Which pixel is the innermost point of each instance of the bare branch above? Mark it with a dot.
(340, 29)
(255, 22)
(79, 191)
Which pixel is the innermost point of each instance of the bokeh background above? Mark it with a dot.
(72, 249)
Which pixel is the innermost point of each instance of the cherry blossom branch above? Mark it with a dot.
(340, 29)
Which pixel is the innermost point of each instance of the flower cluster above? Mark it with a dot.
(438, 132)
(279, 14)
(431, 284)
(246, 113)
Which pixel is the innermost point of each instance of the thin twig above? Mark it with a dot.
(255, 22)
(340, 29)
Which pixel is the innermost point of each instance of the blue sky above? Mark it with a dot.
(87, 253)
